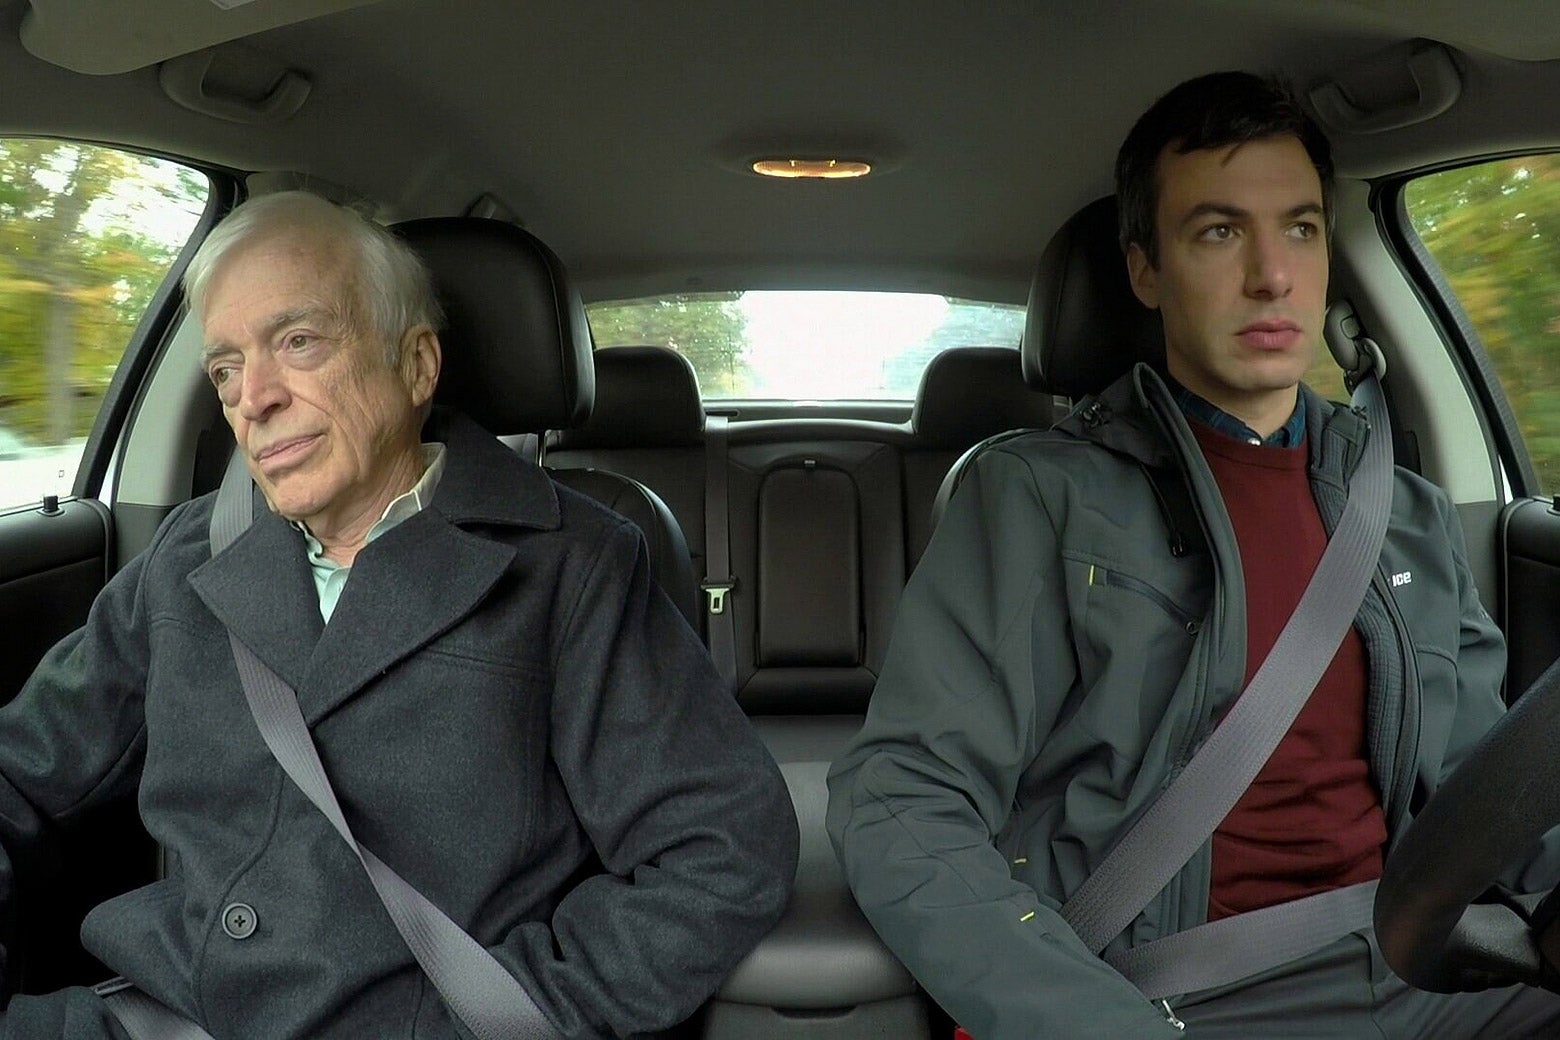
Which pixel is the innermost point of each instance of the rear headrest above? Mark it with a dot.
(646, 397)
(517, 349)
(1085, 326)
(970, 393)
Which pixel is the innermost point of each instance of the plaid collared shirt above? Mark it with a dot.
(1288, 435)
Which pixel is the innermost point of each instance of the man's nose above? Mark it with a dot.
(262, 387)
(1269, 273)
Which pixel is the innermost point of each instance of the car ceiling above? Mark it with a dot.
(620, 133)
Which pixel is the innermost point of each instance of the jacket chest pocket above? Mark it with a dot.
(1133, 635)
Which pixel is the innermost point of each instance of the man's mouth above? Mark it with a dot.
(285, 453)
(1270, 335)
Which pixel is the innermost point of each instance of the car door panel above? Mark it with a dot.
(51, 568)
(1530, 537)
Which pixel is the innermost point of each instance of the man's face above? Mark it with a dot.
(327, 426)
(1241, 281)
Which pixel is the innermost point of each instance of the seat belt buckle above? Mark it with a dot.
(715, 595)
(1164, 1005)
(117, 984)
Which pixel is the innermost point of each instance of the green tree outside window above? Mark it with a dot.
(87, 234)
(1494, 230)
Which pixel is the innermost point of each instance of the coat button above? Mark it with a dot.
(239, 920)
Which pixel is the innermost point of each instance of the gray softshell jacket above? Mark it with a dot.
(1054, 664)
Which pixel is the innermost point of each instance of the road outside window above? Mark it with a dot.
(1494, 229)
(87, 234)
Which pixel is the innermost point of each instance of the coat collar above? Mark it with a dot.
(408, 587)
(260, 588)
(485, 482)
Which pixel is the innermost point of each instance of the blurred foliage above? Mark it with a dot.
(707, 328)
(87, 234)
(1494, 229)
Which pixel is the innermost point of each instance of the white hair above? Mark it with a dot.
(394, 288)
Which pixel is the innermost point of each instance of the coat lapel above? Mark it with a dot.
(261, 590)
(411, 585)
(425, 575)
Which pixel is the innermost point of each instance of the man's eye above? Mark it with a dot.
(1304, 230)
(220, 374)
(299, 341)
(1217, 233)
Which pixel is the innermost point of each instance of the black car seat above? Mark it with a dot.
(518, 360)
(1085, 326)
(966, 394)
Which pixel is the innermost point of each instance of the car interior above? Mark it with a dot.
(552, 161)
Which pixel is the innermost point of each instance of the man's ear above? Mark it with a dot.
(1145, 279)
(421, 360)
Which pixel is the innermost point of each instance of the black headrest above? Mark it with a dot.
(970, 393)
(1085, 326)
(646, 397)
(517, 348)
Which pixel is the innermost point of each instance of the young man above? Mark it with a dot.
(514, 717)
(1054, 663)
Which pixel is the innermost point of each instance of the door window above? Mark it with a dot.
(87, 235)
(1494, 231)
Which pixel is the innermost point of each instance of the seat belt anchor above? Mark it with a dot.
(715, 594)
(1164, 1005)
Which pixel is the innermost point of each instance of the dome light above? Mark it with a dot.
(822, 169)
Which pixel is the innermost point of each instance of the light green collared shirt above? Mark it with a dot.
(330, 577)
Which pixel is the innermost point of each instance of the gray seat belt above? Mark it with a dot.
(482, 994)
(718, 582)
(1175, 826)
(144, 1018)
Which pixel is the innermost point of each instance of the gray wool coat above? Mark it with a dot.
(514, 718)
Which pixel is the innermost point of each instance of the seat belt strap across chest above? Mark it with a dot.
(1183, 817)
(483, 995)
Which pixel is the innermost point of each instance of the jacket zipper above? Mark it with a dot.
(1402, 782)
(1395, 805)
(1115, 579)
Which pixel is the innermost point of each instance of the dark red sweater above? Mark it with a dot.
(1312, 818)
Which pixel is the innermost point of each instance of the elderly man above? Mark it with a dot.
(512, 716)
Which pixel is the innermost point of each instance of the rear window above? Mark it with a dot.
(806, 345)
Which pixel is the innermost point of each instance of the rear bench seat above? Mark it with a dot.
(826, 519)
(816, 534)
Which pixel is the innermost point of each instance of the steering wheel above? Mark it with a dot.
(1433, 922)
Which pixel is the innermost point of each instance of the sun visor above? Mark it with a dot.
(106, 37)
